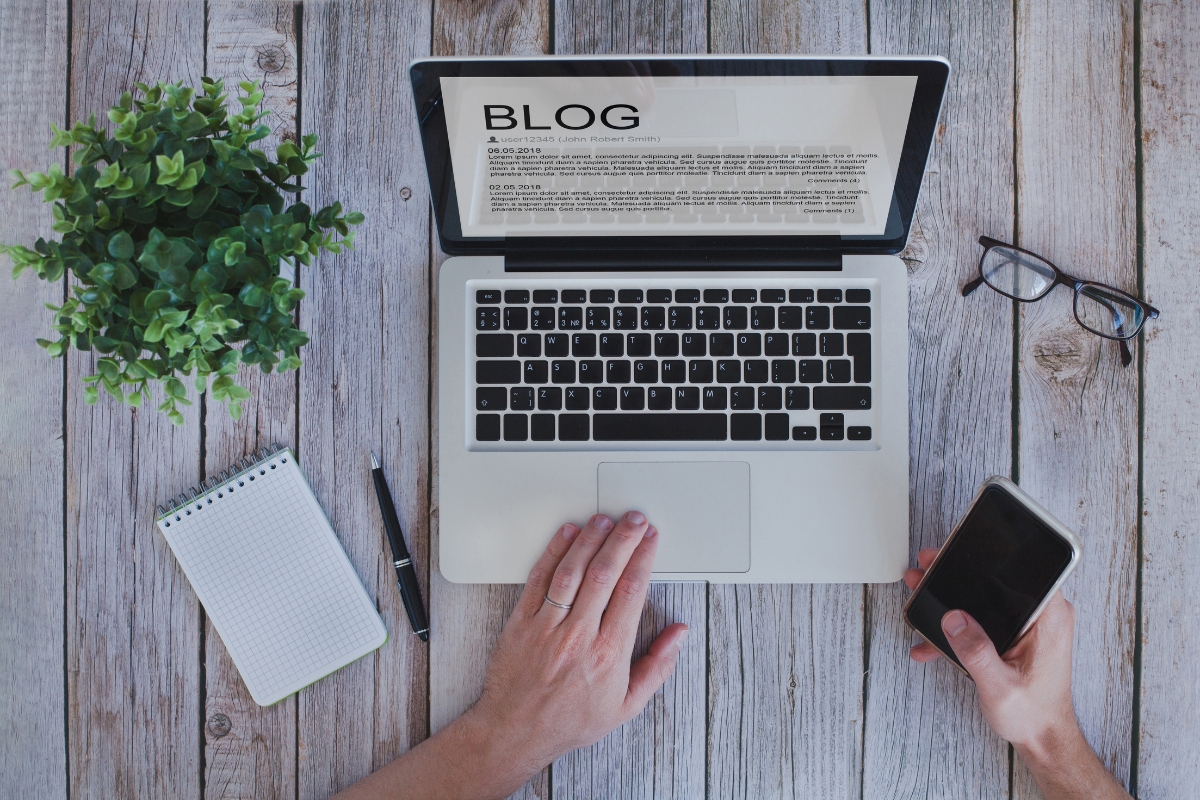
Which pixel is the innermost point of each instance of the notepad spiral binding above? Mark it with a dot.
(224, 479)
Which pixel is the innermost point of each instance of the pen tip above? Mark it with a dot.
(374, 462)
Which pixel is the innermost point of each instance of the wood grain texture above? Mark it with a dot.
(250, 751)
(1169, 741)
(630, 26)
(33, 68)
(1078, 405)
(924, 734)
(786, 662)
(364, 384)
(133, 623)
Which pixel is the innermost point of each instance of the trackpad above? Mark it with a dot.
(701, 510)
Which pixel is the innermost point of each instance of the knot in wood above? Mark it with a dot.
(271, 59)
(219, 725)
(405, 193)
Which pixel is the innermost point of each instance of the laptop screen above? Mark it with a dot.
(587, 151)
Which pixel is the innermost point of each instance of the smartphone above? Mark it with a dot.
(1001, 564)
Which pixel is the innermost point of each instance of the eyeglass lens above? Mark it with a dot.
(1108, 313)
(1016, 274)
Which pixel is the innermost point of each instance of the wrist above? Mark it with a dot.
(489, 765)
(1053, 744)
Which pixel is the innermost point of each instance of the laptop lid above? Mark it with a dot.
(676, 162)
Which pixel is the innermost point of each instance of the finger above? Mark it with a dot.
(568, 575)
(924, 652)
(973, 648)
(538, 582)
(651, 671)
(912, 577)
(620, 621)
(607, 566)
(926, 555)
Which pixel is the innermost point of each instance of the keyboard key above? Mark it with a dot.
(729, 371)
(521, 398)
(841, 397)
(795, 398)
(837, 370)
(658, 296)
(625, 318)
(714, 398)
(612, 344)
(597, 318)
(772, 296)
(832, 429)
(654, 318)
(804, 344)
(562, 371)
(491, 398)
(577, 398)
(602, 296)
(716, 295)
(832, 344)
(541, 427)
(749, 344)
(629, 296)
(658, 398)
(666, 344)
(674, 371)
(497, 372)
(708, 317)
(735, 318)
(804, 433)
(537, 372)
(817, 318)
(545, 296)
(776, 427)
(800, 296)
(687, 398)
(645, 372)
(858, 295)
(755, 371)
(591, 372)
(570, 318)
(783, 371)
(558, 344)
(770, 398)
(619, 371)
(516, 427)
(811, 371)
(742, 398)
(700, 371)
(859, 433)
(604, 398)
(489, 296)
(487, 427)
(858, 346)
(487, 319)
(494, 345)
(541, 318)
(720, 344)
(574, 296)
(775, 344)
(762, 318)
(791, 318)
(693, 344)
(529, 345)
(659, 427)
(639, 344)
(572, 427)
(829, 295)
(679, 318)
(583, 345)
(549, 398)
(687, 295)
(745, 296)
(852, 318)
(516, 318)
(745, 427)
(632, 398)
(516, 296)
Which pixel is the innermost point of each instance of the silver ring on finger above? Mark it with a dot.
(566, 606)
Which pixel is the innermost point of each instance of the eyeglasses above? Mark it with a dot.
(1025, 276)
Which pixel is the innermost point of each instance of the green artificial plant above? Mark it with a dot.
(174, 230)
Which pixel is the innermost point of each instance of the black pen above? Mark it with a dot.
(406, 576)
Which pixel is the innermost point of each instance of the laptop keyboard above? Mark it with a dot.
(706, 364)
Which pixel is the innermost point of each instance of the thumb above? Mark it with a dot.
(651, 671)
(973, 646)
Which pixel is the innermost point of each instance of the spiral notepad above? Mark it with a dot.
(272, 576)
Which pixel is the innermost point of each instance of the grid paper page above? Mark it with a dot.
(264, 561)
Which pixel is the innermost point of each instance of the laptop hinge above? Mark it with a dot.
(597, 260)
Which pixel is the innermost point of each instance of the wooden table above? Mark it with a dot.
(1070, 128)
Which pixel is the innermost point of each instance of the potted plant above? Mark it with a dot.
(174, 230)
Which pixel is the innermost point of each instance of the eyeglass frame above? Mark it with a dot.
(1060, 277)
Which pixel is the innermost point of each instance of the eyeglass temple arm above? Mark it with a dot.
(972, 286)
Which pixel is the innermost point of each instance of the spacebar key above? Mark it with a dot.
(659, 427)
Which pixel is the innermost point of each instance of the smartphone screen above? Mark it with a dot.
(998, 568)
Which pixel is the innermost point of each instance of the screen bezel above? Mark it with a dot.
(931, 73)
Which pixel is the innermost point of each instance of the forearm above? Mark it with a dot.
(1066, 768)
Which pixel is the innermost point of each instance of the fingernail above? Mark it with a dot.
(568, 531)
(635, 517)
(650, 533)
(682, 638)
(954, 623)
(602, 522)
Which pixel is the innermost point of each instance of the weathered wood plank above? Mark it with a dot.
(786, 662)
(250, 751)
(630, 26)
(467, 619)
(365, 382)
(1168, 755)
(133, 623)
(33, 68)
(924, 734)
(1078, 438)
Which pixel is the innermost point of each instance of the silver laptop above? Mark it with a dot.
(674, 288)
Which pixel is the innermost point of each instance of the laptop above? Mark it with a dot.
(674, 287)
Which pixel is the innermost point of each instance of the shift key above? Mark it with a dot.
(841, 398)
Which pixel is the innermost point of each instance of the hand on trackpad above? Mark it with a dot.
(701, 510)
